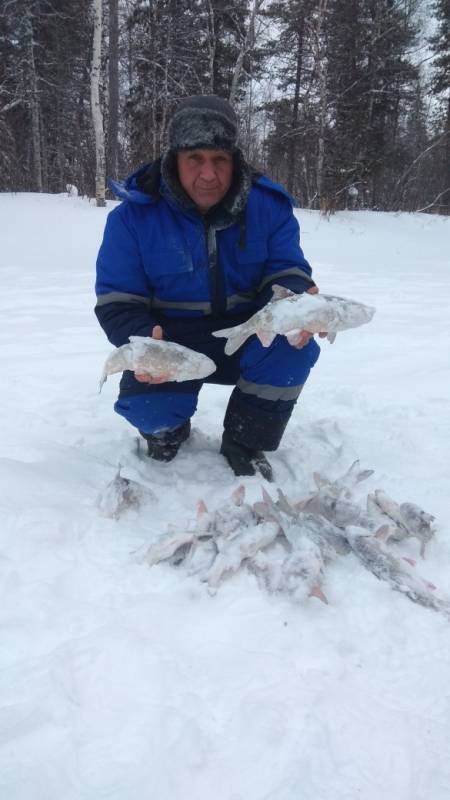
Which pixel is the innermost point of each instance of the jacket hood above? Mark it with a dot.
(129, 188)
(148, 175)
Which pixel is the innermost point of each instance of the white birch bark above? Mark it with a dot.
(97, 115)
(248, 43)
(322, 70)
(212, 44)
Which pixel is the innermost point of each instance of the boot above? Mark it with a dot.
(244, 460)
(164, 446)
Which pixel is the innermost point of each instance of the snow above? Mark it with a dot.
(122, 681)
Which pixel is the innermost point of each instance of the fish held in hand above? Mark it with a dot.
(163, 360)
(288, 313)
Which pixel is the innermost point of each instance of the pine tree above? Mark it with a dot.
(372, 86)
(441, 88)
(290, 55)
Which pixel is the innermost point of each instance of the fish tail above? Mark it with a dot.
(234, 343)
(235, 339)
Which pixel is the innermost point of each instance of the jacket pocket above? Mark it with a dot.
(254, 252)
(167, 262)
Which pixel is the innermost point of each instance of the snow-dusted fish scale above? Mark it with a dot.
(201, 557)
(165, 360)
(389, 507)
(267, 565)
(303, 572)
(233, 552)
(320, 530)
(411, 520)
(122, 494)
(395, 571)
(344, 512)
(418, 522)
(231, 519)
(311, 312)
(167, 545)
(380, 518)
(325, 500)
(295, 524)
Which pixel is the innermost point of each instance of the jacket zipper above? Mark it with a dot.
(216, 281)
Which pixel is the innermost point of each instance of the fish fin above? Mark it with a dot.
(364, 474)
(235, 342)
(265, 337)
(261, 509)
(223, 333)
(238, 495)
(201, 508)
(301, 504)
(320, 481)
(383, 533)
(331, 337)
(316, 591)
(371, 503)
(280, 292)
(409, 561)
(356, 474)
(267, 498)
(293, 336)
(234, 336)
(284, 503)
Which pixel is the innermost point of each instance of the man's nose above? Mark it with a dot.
(207, 172)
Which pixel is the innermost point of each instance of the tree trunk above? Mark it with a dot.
(292, 149)
(97, 116)
(212, 45)
(246, 46)
(323, 96)
(113, 83)
(446, 195)
(34, 105)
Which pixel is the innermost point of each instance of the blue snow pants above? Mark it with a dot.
(267, 381)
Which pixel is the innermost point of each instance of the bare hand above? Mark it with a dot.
(302, 337)
(146, 377)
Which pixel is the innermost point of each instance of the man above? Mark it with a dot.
(196, 245)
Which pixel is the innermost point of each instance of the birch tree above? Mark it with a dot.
(248, 40)
(113, 88)
(97, 115)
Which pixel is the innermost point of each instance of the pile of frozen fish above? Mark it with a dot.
(289, 546)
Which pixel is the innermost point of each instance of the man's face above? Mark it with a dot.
(205, 175)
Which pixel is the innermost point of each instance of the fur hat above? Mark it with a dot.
(203, 121)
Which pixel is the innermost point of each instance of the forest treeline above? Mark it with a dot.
(346, 102)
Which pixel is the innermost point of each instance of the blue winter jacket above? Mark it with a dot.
(161, 263)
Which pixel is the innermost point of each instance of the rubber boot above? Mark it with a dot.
(164, 446)
(244, 460)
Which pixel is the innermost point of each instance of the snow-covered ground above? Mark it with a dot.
(123, 682)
